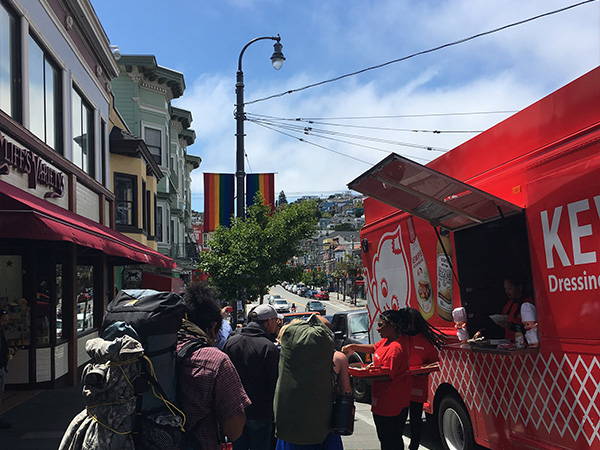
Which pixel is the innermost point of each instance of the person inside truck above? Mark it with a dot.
(514, 288)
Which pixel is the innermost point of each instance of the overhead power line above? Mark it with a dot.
(274, 128)
(320, 132)
(422, 52)
(365, 127)
(397, 116)
(314, 144)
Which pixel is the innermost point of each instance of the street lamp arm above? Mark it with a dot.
(273, 38)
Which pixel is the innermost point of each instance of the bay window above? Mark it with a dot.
(126, 199)
(153, 139)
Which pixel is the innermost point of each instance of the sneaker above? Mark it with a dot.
(4, 425)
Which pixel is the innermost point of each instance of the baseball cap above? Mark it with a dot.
(266, 312)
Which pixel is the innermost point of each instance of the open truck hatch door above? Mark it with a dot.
(429, 194)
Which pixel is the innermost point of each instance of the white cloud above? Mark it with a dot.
(508, 70)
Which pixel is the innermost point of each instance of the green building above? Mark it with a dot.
(143, 92)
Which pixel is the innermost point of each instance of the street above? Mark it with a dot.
(331, 305)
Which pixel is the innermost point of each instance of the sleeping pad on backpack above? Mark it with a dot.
(304, 392)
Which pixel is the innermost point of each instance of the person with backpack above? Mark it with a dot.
(211, 393)
(256, 358)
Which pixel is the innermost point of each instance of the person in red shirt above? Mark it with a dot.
(422, 342)
(389, 398)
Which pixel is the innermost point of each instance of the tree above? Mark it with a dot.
(344, 227)
(251, 255)
(282, 200)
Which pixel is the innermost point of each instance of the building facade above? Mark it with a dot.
(143, 93)
(58, 245)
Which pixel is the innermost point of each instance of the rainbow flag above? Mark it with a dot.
(218, 200)
(263, 183)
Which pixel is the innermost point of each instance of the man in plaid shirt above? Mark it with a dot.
(214, 398)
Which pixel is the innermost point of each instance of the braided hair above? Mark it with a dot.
(413, 323)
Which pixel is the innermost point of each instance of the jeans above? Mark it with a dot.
(257, 435)
(389, 430)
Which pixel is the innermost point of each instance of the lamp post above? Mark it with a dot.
(277, 60)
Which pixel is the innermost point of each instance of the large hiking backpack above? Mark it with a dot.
(148, 321)
(304, 392)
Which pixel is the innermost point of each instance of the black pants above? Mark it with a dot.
(389, 429)
(416, 422)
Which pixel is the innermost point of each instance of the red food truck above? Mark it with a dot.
(522, 197)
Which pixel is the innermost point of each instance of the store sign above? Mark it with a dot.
(25, 161)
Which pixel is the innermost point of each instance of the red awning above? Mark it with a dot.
(25, 216)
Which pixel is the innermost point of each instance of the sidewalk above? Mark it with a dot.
(361, 302)
(39, 422)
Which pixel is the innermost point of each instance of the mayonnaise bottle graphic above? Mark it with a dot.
(420, 274)
(444, 276)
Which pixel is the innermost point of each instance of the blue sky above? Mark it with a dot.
(321, 39)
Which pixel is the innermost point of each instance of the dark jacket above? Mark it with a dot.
(256, 359)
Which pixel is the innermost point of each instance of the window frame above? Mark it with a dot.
(48, 60)
(160, 213)
(15, 84)
(159, 129)
(86, 106)
(134, 203)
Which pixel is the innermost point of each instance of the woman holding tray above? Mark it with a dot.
(422, 342)
(390, 398)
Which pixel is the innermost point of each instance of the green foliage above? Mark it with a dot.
(344, 227)
(253, 253)
(314, 278)
(359, 212)
(282, 200)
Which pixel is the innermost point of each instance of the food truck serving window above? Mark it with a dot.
(430, 195)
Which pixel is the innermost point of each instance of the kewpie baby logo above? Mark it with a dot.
(389, 284)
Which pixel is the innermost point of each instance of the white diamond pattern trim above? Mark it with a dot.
(555, 393)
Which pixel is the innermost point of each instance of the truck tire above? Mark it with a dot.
(454, 424)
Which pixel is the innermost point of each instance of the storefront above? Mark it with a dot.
(58, 246)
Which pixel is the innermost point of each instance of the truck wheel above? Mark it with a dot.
(454, 424)
(361, 390)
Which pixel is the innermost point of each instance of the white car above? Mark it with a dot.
(273, 297)
(281, 305)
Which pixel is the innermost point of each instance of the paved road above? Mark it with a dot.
(332, 305)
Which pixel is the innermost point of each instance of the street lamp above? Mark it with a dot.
(277, 60)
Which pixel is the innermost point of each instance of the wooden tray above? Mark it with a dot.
(423, 370)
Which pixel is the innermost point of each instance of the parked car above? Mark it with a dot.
(272, 298)
(352, 327)
(315, 306)
(301, 290)
(322, 295)
(281, 305)
(309, 293)
(287, 318)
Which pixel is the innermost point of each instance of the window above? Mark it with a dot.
(84, 291)
(125, 199)
(148, 209)
(144, 208)
(83, 133)
(153, 139)
(9, 73)
(103, 150)
(159, 223)
(44, 96)
(155, 217)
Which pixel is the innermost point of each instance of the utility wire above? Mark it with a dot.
(319, 132)
(305, 119)
(316, 145)
(423, 52)
(412, 130)
(336, 140)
